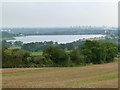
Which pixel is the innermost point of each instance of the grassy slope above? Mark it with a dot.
(98, 76)
(15, 47)
(36, 53)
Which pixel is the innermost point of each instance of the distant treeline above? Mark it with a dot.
(40, 46)
(7, 35)
(61, 31)
(90, 52)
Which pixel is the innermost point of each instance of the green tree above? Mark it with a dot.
(98, 52)
(18, 43)
(110, 51)
(58, 56)
(77, 58)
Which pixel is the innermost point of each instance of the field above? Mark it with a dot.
(6, 38)
(36, 53)
(40, 53)
(93, 76)
(15, 47)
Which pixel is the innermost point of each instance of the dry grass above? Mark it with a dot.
(95, 76)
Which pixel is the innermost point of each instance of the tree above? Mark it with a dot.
(14, 58)
(98, 52)
(110, 51)
(18, 43)
(41, 61)
(6, 44)
(77, 58)
(58, 56)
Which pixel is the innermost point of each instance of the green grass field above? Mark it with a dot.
(5, 38)
(36, 53)
(94, 76)
(15, 47)
(40, 53)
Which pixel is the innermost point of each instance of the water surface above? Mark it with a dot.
(54, 38)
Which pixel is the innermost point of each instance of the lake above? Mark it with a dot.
(54, 38)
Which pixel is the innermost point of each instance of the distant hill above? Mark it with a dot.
(60, 31)
(7, 35)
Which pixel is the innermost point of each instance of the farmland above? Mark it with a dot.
(92, 76)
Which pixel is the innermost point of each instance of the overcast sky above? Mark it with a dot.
(59, 14)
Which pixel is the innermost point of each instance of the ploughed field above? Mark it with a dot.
(93, 76)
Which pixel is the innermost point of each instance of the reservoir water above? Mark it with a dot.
(54, 38)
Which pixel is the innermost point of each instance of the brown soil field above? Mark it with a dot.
(93, 76)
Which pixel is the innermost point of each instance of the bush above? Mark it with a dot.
(58, 56)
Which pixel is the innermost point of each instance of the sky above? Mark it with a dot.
(59, 14)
